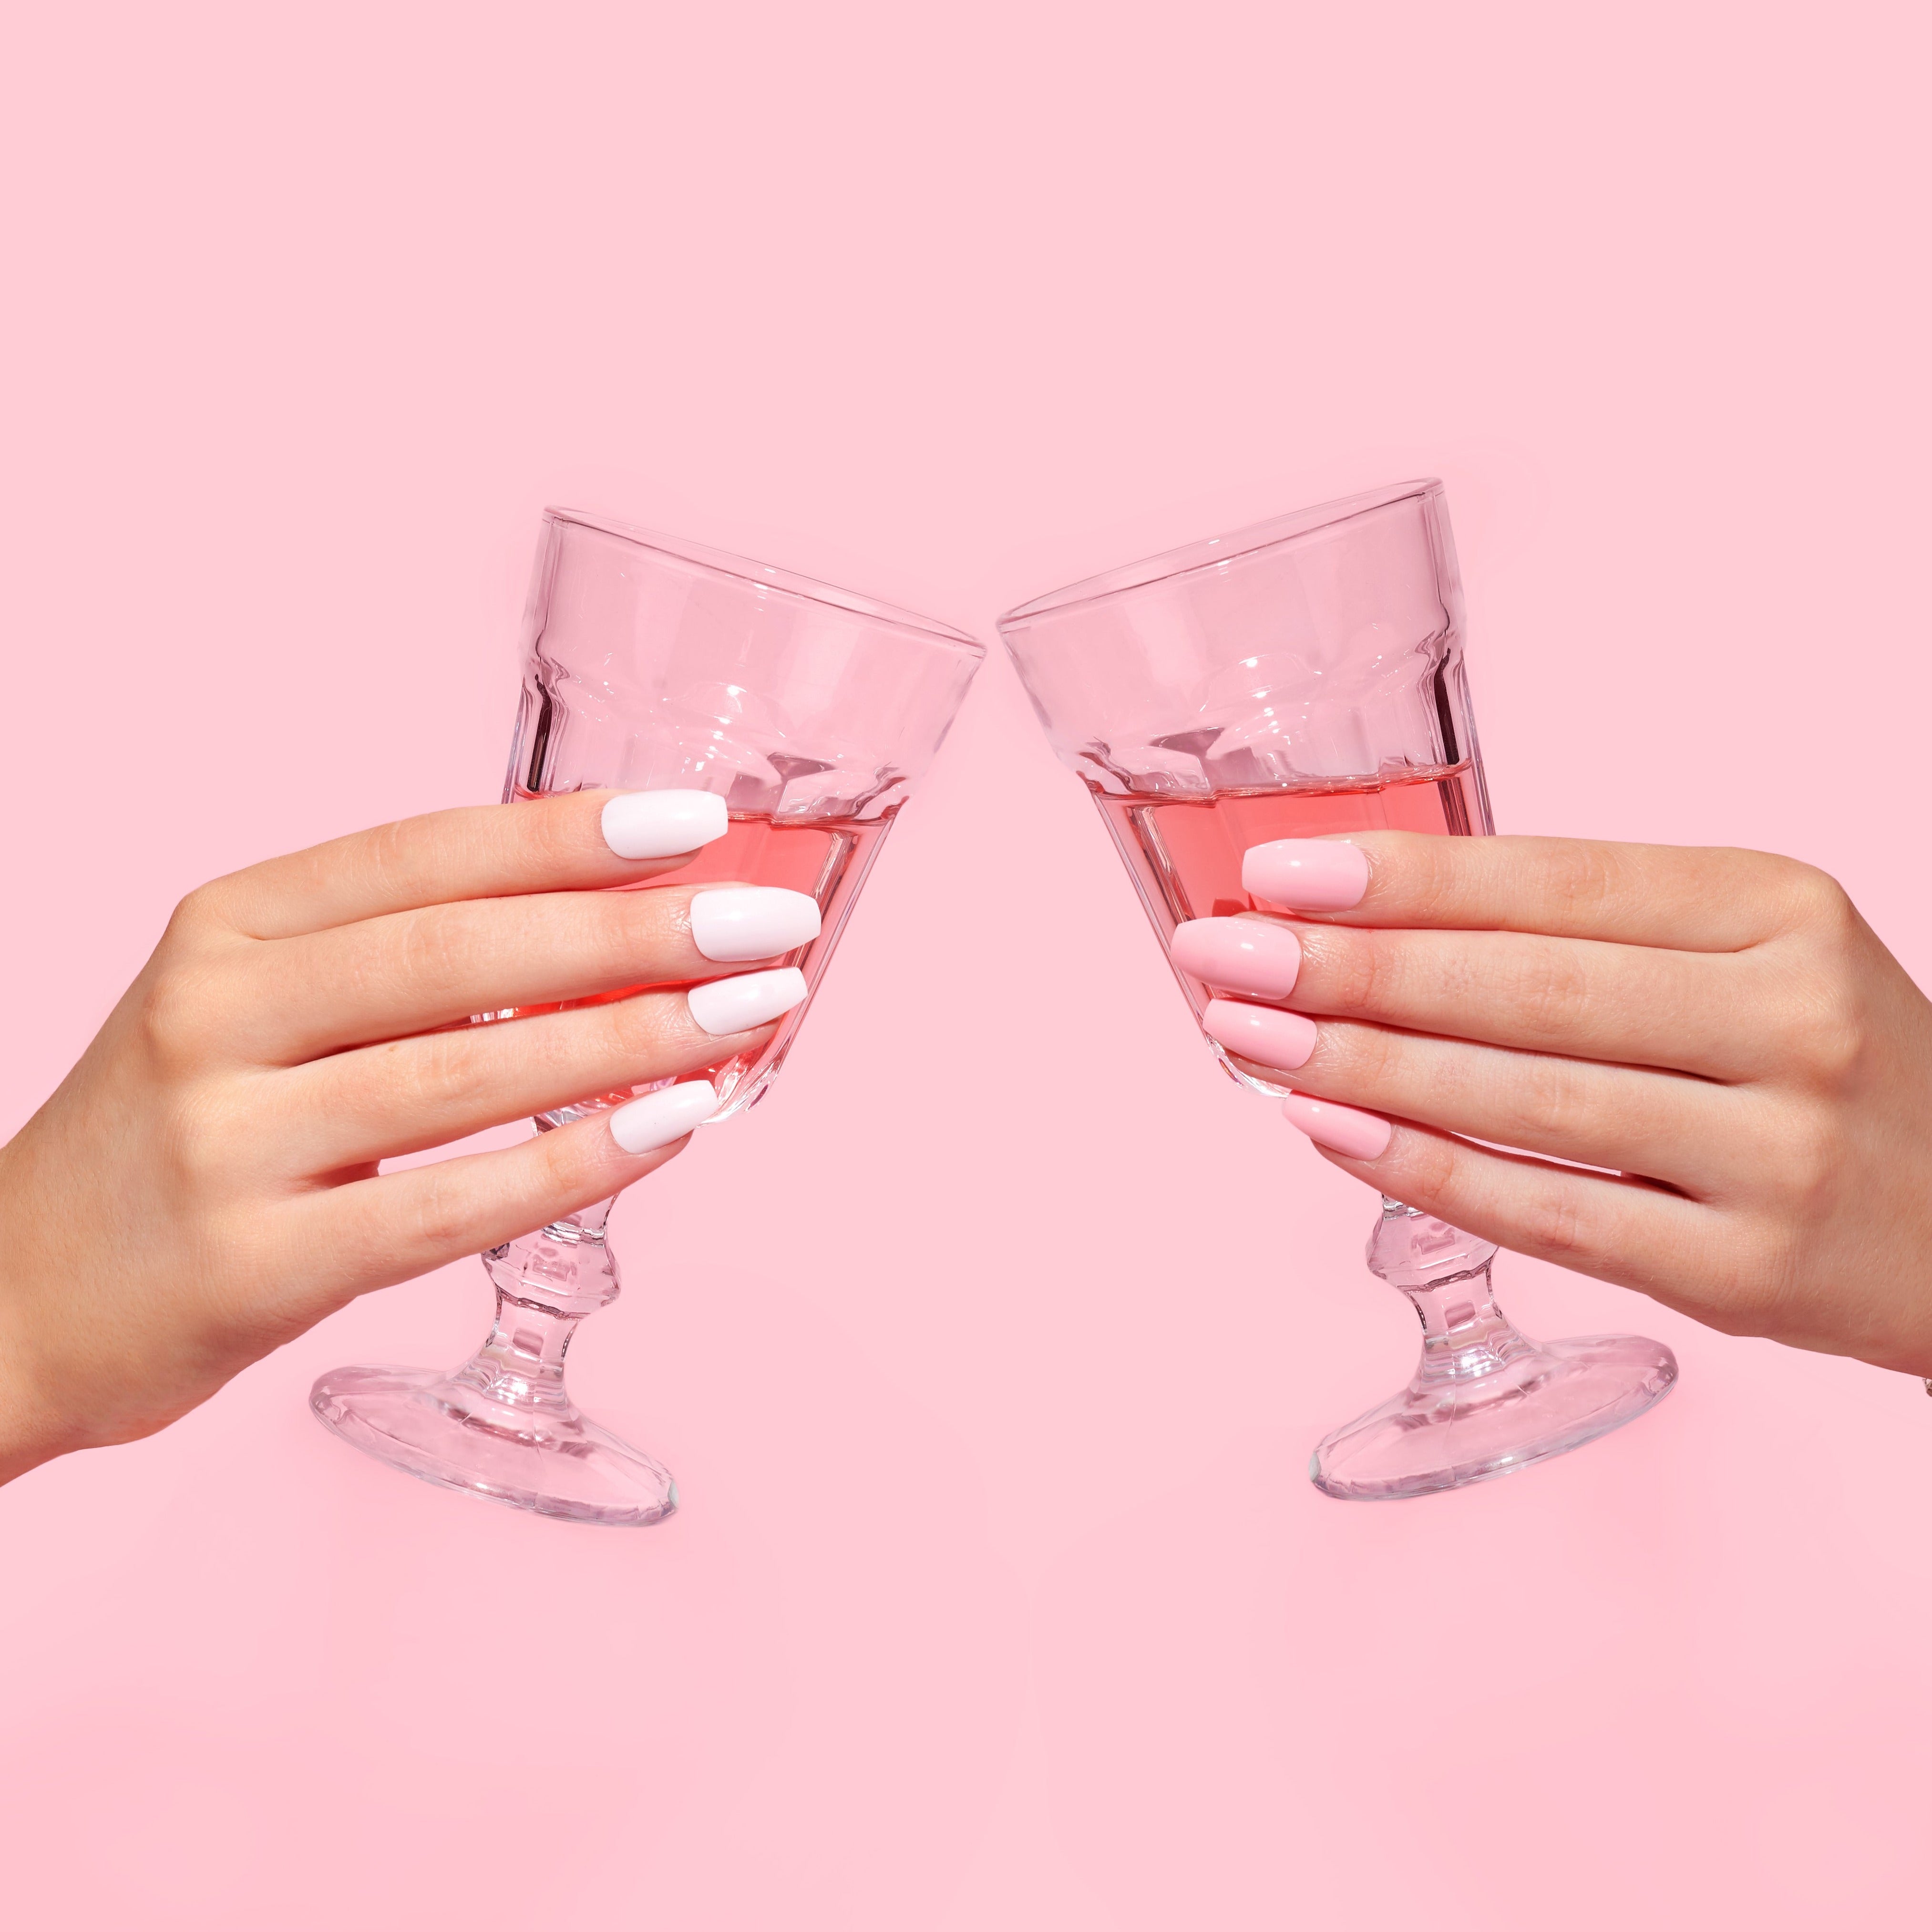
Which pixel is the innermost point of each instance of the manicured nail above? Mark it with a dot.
(1264, 1034)
(1310, 874)
(732, 1005)
(660, 824)
(1347, 1130)
(752, 921)
(665, 1116)
(1239, 955)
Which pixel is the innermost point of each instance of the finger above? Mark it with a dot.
(374, 1233)
(1694, 898)
(1694, 1134)
(409, 971)
(1617, 1230)
(576, 841)
(1582, 997)
(405, 1095)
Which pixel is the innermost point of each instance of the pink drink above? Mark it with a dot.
(1330, 640)
(828, 858)
(1185, 854)
(652, 664)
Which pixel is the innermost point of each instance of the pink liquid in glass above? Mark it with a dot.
(1185, 854)
(828, 858)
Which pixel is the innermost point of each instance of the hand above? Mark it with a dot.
(204, 1185)
(1719, 1030)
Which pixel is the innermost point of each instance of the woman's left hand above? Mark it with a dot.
(1718, 1033)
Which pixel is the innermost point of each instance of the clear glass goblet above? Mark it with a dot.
(1303, 677)
(652, 664)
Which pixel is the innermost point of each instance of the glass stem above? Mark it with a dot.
(1445, 1273)
(546, 1283)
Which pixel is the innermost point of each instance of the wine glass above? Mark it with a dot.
(1302, 677)
(652, 664)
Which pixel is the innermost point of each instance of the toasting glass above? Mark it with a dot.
(652, 664)
(1303, 677)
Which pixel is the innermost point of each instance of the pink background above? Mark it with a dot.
(990, 1351)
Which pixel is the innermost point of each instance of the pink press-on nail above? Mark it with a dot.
(1264, 1034)
(1347, 1130)
(1308, 874)
(1239, 955)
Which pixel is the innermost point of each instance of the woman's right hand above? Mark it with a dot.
(205, 1184)
(1697, 1073)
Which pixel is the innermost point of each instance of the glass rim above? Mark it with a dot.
(1205, 552)
(769, 576)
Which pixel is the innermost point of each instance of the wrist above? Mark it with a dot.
(32, 1430)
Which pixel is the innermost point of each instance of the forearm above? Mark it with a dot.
(31, 1430)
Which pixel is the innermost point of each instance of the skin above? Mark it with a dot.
(1719, 1030)
(204, 1185)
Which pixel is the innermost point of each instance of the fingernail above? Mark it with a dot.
(659, 824)
(1264, 1034)
(1311, 874)
(731, 1005)
(665, 1116)
(1240, 955)
(752, 921)
(1347, 1130)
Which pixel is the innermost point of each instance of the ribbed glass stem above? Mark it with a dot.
(546, 1283)
(1445, 1274)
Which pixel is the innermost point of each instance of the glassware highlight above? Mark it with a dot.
(1302, 677)
(653, 663)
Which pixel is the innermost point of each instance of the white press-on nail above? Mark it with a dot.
(730, 1006)
(752, 921)
(660, 824)
(665, 1116)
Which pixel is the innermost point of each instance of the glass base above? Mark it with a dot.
(449, 1431)
(1444, 1430)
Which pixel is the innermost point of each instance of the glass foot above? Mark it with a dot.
(1535, 1400)
(447, 1430)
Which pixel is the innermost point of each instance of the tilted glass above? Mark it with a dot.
(1300, 678)
(655, 665)
(652, 664)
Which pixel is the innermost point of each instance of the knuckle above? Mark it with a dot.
(1551, 993)
(1561, 1104)
(443, 1211)
(200, 1140)
(180, 1015)
(635, 1029)
(1808, 1155)
(1818, 1028)
(1583, 877)
(639, 926)
(1431, 1163)
(200, 912)
(1553, 1224)
(1834, 1040)
(440, 948)
(1373, 1056)
(437, 1069)
(561, 831)
(388, 848)
(1356, 971)
(426, 948)
(1434, 882)
(1813, 902)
